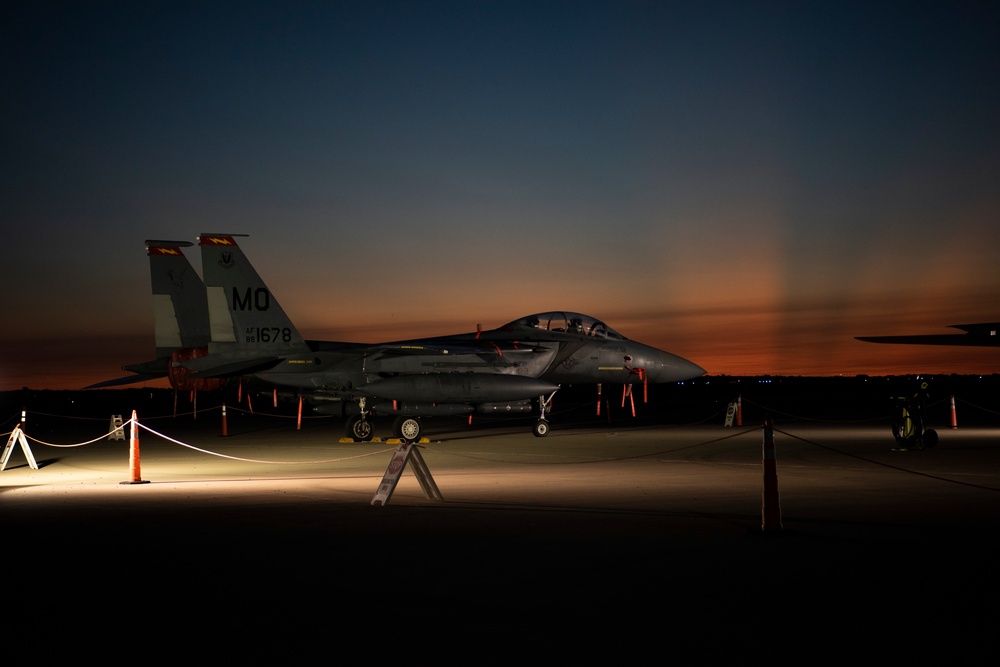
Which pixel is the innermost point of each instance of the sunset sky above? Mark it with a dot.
(747, 184)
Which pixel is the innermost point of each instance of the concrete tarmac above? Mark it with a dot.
(596, 527)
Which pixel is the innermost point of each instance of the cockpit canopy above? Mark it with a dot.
(566, 322)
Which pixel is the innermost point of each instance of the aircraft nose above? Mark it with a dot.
(667, 367)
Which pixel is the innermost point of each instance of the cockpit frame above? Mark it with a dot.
(559, 321)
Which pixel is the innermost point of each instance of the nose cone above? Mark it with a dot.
(666, 367)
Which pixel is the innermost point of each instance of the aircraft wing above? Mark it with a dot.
(233, 368)
(976, 335)
(141, 372)
(128, 379)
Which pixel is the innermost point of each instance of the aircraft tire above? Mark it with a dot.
(360, 430)
(540, 429)
(407, 428)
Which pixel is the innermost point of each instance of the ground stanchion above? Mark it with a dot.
(298, 424)
(117, 428)
(133, 455)
(407, 452)
(739, 410)
(770, 508)
(954, 416)
(225, 427)
(17, 436)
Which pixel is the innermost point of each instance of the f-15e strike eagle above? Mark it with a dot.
(231, 326)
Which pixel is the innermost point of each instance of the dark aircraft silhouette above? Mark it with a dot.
(499, 371)
(983, 334)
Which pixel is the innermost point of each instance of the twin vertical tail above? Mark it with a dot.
(180, 313)
(180, 307)
(209, 329)
(180, 316)
(244, 316)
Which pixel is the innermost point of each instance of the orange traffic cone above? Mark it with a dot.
(133, 455)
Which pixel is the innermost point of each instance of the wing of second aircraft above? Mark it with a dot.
(983, 334)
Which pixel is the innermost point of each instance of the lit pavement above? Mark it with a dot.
(585, 523)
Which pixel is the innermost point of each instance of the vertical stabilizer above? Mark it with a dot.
(180, 305)
(243, 313)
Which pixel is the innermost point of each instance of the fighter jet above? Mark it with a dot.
(504, 370)
(983, 334)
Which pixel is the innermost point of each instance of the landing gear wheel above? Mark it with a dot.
(361, 430)
(540, 429)
(407, 428)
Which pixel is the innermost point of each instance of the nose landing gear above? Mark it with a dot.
(541, 427)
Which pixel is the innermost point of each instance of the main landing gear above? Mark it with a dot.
(406, 428)
(361, 427)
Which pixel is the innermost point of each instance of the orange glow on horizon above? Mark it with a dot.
(724, 338)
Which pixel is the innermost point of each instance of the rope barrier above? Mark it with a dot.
(582, 405)
(885, 465)
(737, 434)
(978, 407)
(12, 418)
(772, 411)
(192, 447)
(70, 446)
(237, 458)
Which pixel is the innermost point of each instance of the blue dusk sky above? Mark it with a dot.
(747, 184)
